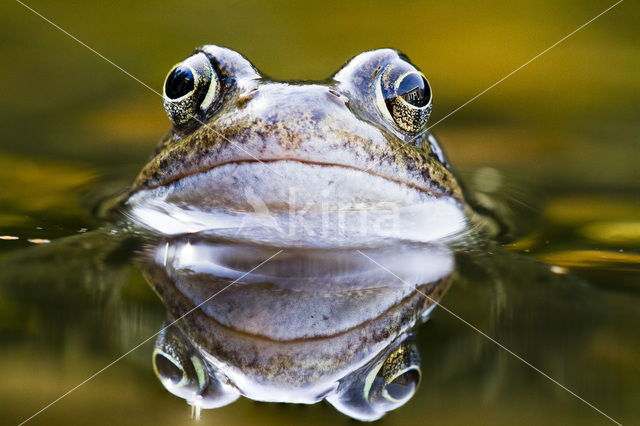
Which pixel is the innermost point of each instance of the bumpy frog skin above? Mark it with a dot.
(284, 162)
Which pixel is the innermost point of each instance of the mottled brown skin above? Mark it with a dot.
(338, 122)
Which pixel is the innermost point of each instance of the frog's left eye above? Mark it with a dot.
(404, 96)
(382, 386)
(190, 87)
(395, 380)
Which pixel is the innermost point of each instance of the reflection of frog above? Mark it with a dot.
(243, 148)
(88, 302)
(305, 326)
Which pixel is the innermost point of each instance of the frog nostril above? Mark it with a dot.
(337, 97)
(247, 96)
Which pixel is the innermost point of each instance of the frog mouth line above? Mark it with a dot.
(182, 302)
(434, 192)
(290, 201)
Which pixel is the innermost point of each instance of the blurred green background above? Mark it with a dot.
(566, 125)
(573, 111)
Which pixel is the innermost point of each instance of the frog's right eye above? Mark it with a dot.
(181, 375)
(184, 373)
(190, 88)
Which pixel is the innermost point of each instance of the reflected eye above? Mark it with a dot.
(180, 373)
(166, 369)
(190, 88)
(404, 97)
(183, 372)
(403, 386)
(385, 384)
(396, 378)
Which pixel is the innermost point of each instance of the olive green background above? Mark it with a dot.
(574, 110)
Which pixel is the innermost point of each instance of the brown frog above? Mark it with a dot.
(346, 161)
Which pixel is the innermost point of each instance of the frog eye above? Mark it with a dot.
(181, 375)
(381, 386)
(190, 87)
(167, 369)
(402, 386)
(396, 378)
(184, 372)
(414, 89)
(404, 97)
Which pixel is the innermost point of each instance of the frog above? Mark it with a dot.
(251, 165)
(309, 325)
(348, 160)
(269, 135)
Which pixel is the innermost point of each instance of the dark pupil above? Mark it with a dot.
(168, 370)
(414, 89)
(180, 82)
(403, 385)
